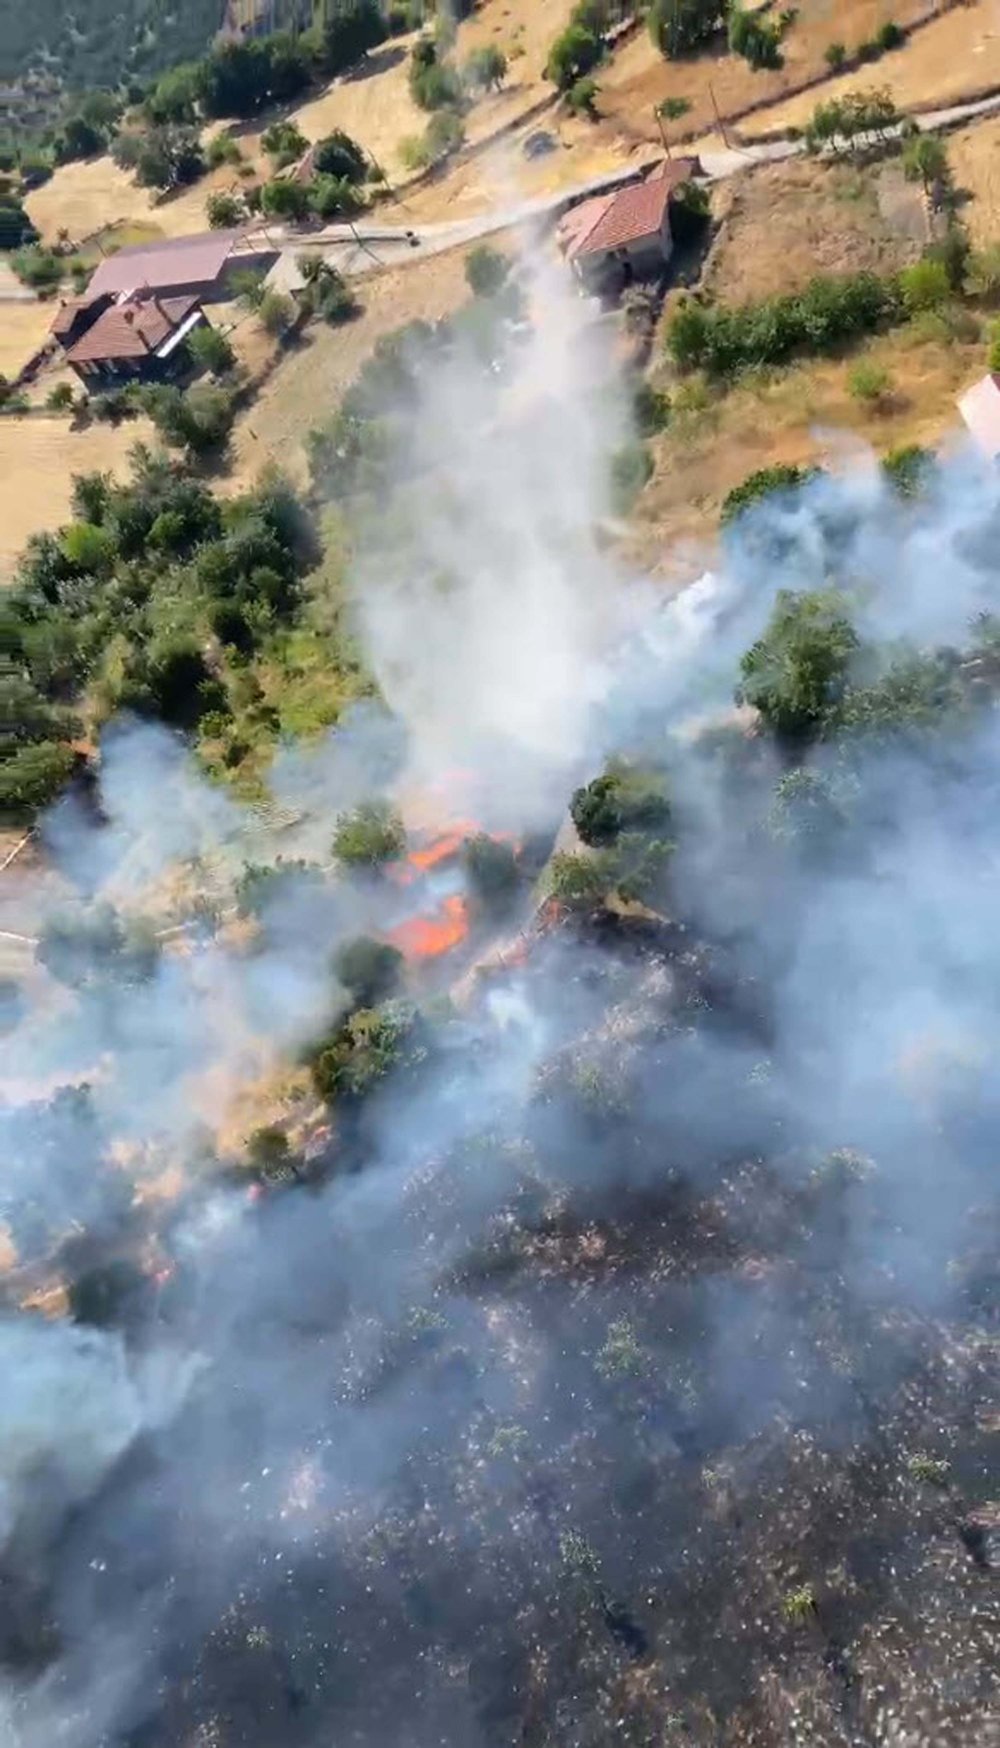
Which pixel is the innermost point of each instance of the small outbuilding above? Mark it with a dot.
(980, 408)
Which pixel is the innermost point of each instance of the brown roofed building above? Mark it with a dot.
(616, 238)
(202, 266)
(75, 316)
(136, 339)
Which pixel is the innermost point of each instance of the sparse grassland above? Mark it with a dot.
(23, 327)
(974, 155)
(954, 56)
(784, 223)
(38, 458)
(638, 79)
(787, 416)
(307, 385)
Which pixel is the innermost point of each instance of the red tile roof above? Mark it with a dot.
(181, 261)
(635, 212)
(132, 329)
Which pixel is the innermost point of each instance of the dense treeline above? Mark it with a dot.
(155, 598)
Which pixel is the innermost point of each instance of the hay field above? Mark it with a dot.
(974, 155)
(953, 57)
(38, 458)
(639, 79)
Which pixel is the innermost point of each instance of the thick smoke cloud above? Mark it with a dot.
(369, 1423)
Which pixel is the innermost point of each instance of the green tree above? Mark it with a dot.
(338, 155)
(223, 210)
(925, 285)
(925, 160)
(277, 313)
(492, 870)
(624, 798)
(486, 271)
(486, 68)
(210, 350)
(575, 52)
(766, 482)
(908, 469)
(370, 835)
(368, 969)
(796, 673)
(284, 198)
(284, 141)
(680, 26)
(582, 97)
(757, 40)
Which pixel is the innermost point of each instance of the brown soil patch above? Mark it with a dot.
(38, 458)
(802, 415)
(639, 78)
(974, 154)
(784, 223)
(307, 385)
(955, 55)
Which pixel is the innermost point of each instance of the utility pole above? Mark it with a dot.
(718, 116)
(663, 131)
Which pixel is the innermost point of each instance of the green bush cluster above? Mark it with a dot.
(827, 314)
(767, 482)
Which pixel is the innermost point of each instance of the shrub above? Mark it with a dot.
(369, 836)
(16, 228)
(891, 36)
(60, 398)
(486, 271)
(835, 56)
(572, 56)
(223, 211)
(221, 149)
(650, 409)
(925, 160)
(631, 470)
(39, 268)
(580, 882)
(32, 776)
(767, 482)
(326, 292)
(284, 141)
(445, 134)
(211, 350)
(982, 277)
(755, 39)
(433, 85)
(277, 313)
(993, 355)
(624, 799)
(486, 68)
(673, 108)
(908, 469)
(335, 197)
(925, 285)
(369, 970)
(581, 98)
(679, 26)
(198, 419)
(796, 673)
(869, 383)
(338, 155)
(491, 867)
(363, 1051)
(285, 199)
(823, 316)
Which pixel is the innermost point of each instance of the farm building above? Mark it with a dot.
(616, 238)
(980, 408)
(135, 339)
(201, 266)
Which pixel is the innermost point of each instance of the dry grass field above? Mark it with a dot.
(23, 327)
(953, 57)
(639, 79)
(784, 223)
(806, 414)
(305, 389)
(38, 458)
(974, 155)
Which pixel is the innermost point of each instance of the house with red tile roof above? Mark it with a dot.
(616, 238)
(137, 338)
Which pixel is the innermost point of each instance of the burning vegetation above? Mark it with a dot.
(596, 1338)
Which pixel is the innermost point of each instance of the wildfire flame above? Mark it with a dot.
(427, 937)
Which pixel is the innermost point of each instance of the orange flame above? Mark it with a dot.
(427, 937)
